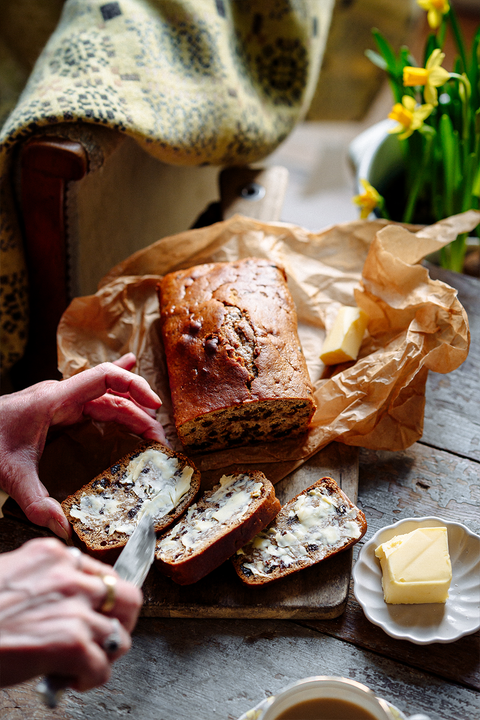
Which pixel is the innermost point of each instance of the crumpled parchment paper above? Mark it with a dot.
(416, 324)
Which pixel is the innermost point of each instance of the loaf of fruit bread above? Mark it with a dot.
(105, 512)
(317, 523)
(215, 527)
(235, 365)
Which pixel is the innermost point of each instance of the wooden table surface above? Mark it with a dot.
(180, 669)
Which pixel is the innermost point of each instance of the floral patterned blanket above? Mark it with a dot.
(193, 81)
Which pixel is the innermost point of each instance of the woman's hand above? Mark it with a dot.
(106, 392)
(50, 615)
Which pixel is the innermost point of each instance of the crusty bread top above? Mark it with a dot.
(105, 512)
(317, 523)
(230, 337)
(219, 511)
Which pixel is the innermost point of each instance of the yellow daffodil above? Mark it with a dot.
(409, 116)
(367, 200)
(436, 10)
(431, 76)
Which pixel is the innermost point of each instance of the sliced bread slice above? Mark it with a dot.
(317, 523)
(210, 532)
(105, 512)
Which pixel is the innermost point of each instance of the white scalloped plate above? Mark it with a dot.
(428, 623)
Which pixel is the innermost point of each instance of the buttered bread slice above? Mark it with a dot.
(105, 512)
(212, 530)
(317, 523)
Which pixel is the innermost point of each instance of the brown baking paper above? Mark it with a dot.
(416, 324)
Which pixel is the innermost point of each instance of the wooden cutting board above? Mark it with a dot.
(318, 592)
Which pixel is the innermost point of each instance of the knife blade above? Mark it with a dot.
(136, 558)
(132, 565)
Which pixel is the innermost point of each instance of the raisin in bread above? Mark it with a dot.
(235, 365)
(105, 512)
(317, 523)
(212, 530)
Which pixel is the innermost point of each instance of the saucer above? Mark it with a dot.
(427, 623)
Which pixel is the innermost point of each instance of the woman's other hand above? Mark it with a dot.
(51, 615)
(108, 392)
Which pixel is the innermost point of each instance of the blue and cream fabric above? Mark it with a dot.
(193, 81)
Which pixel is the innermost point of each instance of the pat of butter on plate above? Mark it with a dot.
(416, 567)
(345, 337)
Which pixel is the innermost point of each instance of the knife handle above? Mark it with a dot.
(51, 689)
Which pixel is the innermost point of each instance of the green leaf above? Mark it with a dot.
(457, 253)
(376, 59)
(467, 185)
(430, 46)
(405, 58)
(386, 51)
(416, 184)
(387, 61)
(457, 165)
(448, 146)
(457, 66)
(473, 71)
(456, 114)
(476, 182)
(442, 33)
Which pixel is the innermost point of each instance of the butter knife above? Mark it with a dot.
(132, 565)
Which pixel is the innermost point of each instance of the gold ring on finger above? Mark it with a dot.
(110, 582)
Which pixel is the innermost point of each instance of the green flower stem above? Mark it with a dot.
(444, 258)
(476, 182)
(383, 209)
(442, 31)
(456, 257)
(448, 145)
(474, 72)
(465, 104)
(418, 179)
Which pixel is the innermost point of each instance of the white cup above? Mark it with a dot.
(336, 688)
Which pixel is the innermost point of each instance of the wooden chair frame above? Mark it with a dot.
(47, 165)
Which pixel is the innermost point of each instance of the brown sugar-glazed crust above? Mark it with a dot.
(236, 368)
(186, 565)
(119, 504)
(317, 523)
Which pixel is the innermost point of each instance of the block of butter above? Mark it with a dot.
(345, 337)
(416, 567)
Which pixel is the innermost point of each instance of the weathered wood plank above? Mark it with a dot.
(21, 702)
(458, 661)
(206, 669)
(416, 482)
(452, 415)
